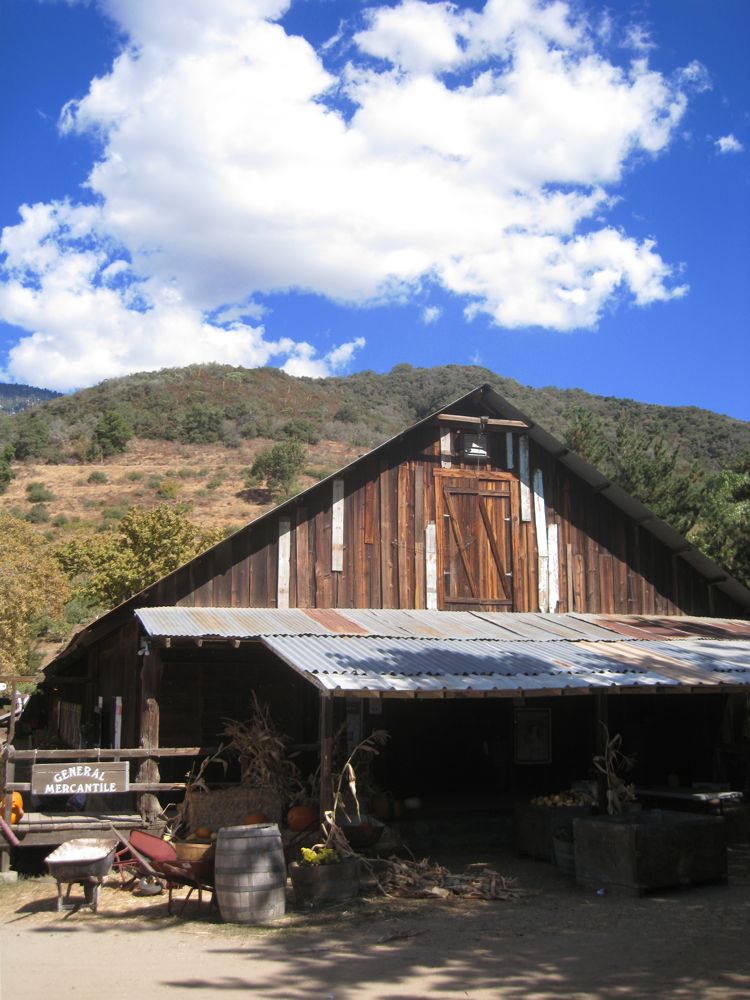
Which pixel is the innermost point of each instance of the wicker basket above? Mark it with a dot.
(230, 806)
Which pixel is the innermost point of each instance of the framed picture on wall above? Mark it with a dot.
(532, 735)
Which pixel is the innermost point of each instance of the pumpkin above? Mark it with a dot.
(300, 817)
(16, 807)
(253, 818)
(381, 808)
(204, 832)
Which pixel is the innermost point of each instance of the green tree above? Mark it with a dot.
(33, 589)
(585, 435)
(110, 436)
(279, 467)
(146, 545)
(645, 466)
(6, 470)
(202, 424)
(723, 527)
(32, 436)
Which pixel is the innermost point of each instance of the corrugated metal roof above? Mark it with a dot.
(252, 623)
(418, 653)
(413, 667)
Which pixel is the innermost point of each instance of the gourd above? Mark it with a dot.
(300, 817)
(16, 807)
(253, 818)
(204, 832)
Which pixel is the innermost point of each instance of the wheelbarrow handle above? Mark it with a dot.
(8, 833)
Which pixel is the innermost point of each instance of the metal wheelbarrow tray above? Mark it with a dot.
(88, 861)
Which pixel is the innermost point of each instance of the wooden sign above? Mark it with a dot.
(80, 779)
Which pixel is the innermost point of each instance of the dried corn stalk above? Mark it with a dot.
(346, 782)
(612, 761)
(263, 753)
(427, 880)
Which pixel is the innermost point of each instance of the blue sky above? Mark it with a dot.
(558, 192)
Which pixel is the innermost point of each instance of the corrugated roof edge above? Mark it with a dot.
(630, 506)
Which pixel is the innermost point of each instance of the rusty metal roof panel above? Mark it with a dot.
(228, 623)
(233, 623)
(410, 667)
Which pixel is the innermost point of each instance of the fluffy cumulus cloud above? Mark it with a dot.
(475, 149)
(728, 144)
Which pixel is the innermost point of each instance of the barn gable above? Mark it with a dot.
(421, 522)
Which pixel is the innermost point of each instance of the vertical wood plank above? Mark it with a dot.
(304, 587)
(386, 538)
(285, 551)
(523, 473)
(509, 450)
(430, 553)
(326, 754)
(554, 568)
(540, 523)
(446, 449)
(419, 529)
(369, 525)
(337, 527)
(569, 576)
(403, 524)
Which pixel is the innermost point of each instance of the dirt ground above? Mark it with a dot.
(558, 941)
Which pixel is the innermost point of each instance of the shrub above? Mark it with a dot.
(110, 436)
(38, 514)
(153, 482)
(169, 490)
(202, 424)
(98, 477)
(38, 493)
(134, 476)
(60, 521)
(279, 466)
(301, 430)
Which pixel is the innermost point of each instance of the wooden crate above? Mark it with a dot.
(649, 850)
(534, 827)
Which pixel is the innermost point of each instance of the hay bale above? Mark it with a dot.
(230, 806)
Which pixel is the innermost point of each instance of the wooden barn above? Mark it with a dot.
(457, 586)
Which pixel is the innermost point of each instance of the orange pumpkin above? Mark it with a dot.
(16, 807)
(258, 817)
(381, 808)
(203, 832)
(300, 817)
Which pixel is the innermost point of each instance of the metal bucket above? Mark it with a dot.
(250, 874)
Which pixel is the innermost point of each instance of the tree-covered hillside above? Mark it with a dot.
(217, 403)
(14, 398)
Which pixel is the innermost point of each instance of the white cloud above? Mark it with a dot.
(729, 144)
(638, 37)
(431, 314)
(229, 170)
(304, 360)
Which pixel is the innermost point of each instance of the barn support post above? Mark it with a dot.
(326, 754)
(151, 668)
(9, 770)
(601, 716)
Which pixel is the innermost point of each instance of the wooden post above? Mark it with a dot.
(601, 717)
(12, 719)
(326, 754)
(148, 804)
(9, 770)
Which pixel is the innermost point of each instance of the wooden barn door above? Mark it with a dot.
(475, 540)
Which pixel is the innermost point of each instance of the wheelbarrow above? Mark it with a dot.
(87, 861)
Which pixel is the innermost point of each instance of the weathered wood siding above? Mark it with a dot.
(602, 561)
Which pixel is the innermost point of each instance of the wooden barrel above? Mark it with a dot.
(250, 874)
